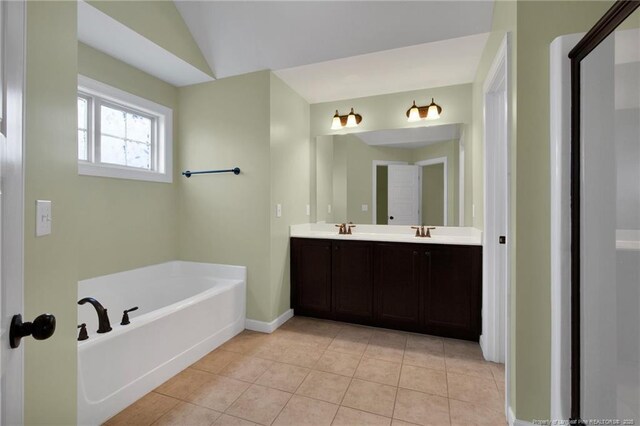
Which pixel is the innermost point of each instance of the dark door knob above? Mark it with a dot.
(41, 328)
(391, 217)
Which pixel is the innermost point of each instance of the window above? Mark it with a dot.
(122, 135)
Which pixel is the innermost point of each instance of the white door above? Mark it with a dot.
(404, 195)
(12, 27)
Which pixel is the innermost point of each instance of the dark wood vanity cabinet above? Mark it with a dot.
(428, 288)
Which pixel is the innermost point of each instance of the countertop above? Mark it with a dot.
(392, 233)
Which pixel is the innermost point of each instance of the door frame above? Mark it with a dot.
(374, 165)
(606, 25)
(496, 313)
(431, 162)
(12, 251)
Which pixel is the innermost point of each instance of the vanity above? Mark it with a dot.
(385, 276)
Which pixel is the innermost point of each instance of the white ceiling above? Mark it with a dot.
(102, 32)
(410, 138)
(238, 37)
(437, 64)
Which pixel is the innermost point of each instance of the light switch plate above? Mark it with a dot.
(329, 208)
(278, 210)
(43, 217)
(308, 210)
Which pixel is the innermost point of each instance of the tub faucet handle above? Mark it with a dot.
(83, 332)
(125, 315)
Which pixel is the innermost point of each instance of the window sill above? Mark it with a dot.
(100, 170)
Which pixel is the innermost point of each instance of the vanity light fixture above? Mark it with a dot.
(427, 112)
(350, 120)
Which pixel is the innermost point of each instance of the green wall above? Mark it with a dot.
(539, 23)
(126, 224)
(160, 22)
(225, 218)
(382, 195)
(324, 178)
(289, 126)
(51, 262)
(433, 194)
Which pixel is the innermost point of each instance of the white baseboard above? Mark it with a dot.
(515, 422)
(268, 327)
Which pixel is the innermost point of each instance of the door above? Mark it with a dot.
(404, 195)
(605, 219)
(12, 29)
(353, 281)
(311, 277)
(397, 285)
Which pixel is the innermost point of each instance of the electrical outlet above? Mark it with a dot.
(308, 210)
(278, 210)
(365, 207)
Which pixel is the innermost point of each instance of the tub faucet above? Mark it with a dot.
(103, 318)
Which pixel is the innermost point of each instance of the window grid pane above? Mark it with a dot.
(126, 138)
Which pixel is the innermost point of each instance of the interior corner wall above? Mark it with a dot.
(289, 146)
(50, 161)
(226, 218)
(126, 224)
(538, 24)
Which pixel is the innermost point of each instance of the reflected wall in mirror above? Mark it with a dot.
(391, 177)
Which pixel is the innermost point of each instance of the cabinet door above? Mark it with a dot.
(353, 281)
(311, 277)
(397, 285)
(452, 284)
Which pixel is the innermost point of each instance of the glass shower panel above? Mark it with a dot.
(610, 229)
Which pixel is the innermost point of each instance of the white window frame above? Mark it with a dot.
(161, 153)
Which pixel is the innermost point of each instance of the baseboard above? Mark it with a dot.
(268, 327)
(515, 422)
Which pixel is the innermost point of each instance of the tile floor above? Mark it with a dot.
(313, 372)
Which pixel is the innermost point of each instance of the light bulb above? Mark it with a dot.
(414, 113)
(351, 119)
(433, 111)
(336, 123)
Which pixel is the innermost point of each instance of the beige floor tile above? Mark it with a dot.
(392, 352)
(218, 393)
(259, 404)
(498, 371)
(471, 367)
(246, 368)
(379, 371)
(466, 413)
(188, 414)
(301, 411)
(325, 386)
(215, 361)
(339, 363)
(474, 389)
(348, 346)
(284, 377)
(355, 333)
(273, 350)
(420, 358)
(462, 349)
(144, 411)
(301, 356)
(426, 344)
(396, 422)
(227, 420)
(184, 383)
(388, 338)
(371, 397)
(424, 380)
(349, 417)
(421, 408)
(246, 342)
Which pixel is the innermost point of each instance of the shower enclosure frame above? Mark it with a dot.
(620, 11)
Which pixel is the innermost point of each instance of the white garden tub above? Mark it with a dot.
(186, 310)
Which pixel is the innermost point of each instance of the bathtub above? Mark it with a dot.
(186, 310)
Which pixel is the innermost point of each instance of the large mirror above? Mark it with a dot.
(391, 177)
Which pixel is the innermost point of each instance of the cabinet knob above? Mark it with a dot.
(415, 253)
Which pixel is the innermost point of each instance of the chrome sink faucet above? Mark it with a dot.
(103, 318)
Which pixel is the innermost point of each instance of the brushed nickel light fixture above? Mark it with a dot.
(349, 120)
(427, 112)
